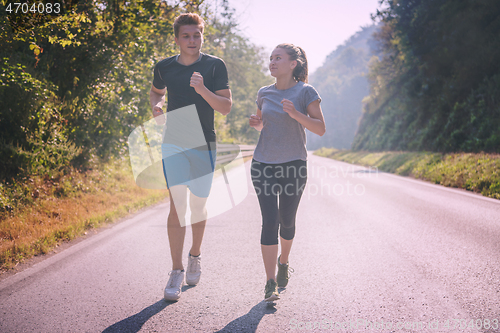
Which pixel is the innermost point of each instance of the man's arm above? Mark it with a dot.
(157, 99)
(220, 101)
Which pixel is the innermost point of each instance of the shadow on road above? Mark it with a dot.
(250, 321)
(134, 323)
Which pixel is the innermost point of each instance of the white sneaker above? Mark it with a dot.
(193, 271)
(174, 285)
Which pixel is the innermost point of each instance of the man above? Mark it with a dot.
(191, 79)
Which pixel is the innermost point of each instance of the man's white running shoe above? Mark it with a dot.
(174, 285)
(193, 272)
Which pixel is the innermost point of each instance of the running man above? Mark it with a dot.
(196, 84)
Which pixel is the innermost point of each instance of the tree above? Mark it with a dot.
(342, 84)
(247, 73)
(436, 86)
(72, 83)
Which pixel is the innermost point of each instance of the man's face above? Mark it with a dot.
(190, 39)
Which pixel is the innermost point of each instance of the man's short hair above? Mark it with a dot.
(188, 19)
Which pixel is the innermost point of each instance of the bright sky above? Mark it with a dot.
(318, 26)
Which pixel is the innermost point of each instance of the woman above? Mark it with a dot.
(279, 170)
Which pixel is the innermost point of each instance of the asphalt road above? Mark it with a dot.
(373, 252)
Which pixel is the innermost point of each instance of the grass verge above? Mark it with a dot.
(40, 212)
(478, 172)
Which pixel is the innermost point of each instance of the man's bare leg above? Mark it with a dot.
(198, 222)
(198, 232)
(176, 234)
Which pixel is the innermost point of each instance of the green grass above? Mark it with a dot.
(474, 172)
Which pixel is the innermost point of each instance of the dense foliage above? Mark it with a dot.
(437, 86)
(342, 84)
(247, 70)
(74, 85)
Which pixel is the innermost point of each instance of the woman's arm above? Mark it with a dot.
(314, 121)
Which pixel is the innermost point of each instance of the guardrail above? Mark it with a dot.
(232, 151)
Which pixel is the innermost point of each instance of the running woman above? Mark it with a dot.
(196, 83)
(279, 168)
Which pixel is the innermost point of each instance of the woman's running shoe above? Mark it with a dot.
(271, 291)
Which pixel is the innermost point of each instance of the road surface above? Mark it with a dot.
(373, 252)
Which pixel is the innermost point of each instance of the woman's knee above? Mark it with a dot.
(269, 237)
(287, 233)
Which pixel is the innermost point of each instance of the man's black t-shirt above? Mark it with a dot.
(176, 78)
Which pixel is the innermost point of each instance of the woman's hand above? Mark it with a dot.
(289, 108)
(313, 121)
(256, 122)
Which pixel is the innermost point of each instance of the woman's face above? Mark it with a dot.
(280, 63)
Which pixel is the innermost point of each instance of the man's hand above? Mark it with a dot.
(197, 82)
(158, 115)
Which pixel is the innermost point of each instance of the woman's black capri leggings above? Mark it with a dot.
(285, 181)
